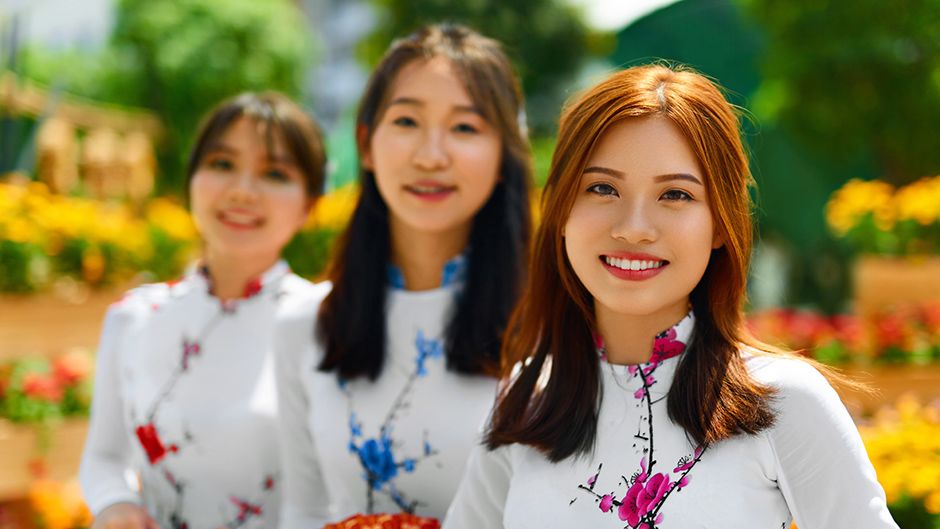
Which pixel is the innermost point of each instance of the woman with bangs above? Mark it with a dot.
(183, 419)
(633, 395)
(387, 374)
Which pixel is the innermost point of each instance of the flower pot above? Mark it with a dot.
(881, 282)
(22, 454)
(49, 323)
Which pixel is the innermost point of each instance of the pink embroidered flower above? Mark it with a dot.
(690, 463)
(591, 481)
(189, 349)
(666, 346)
(643, 497)
(150, 440)
(684, 481)
(607, 502)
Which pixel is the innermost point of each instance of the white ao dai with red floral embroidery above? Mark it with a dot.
(185, 401)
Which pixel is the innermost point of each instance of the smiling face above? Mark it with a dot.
(435, 158)
(640, 233)
(248, 202)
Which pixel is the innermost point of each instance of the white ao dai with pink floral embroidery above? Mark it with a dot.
(645, 474)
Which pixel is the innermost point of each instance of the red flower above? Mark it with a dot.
(42, 387)
(252, 288)
(72, 368)
(150, 439)
(245, 509)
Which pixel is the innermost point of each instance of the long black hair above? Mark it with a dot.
(351, 322)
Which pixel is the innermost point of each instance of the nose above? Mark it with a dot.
(431, 153)
(244, 187)
(634, 225)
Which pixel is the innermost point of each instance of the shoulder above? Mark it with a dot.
(301, 300)
(140, 301)
(804, 397)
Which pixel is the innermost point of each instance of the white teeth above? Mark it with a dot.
(633, 265)
(423, 189)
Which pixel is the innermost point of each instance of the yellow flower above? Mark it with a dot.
(857, 198)
(172, 218)
(334, 209)
(919, 201)
(59, 505)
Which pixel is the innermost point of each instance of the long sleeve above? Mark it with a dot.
(305, 500)
(481, 497)
(824, 471)
(105, 459)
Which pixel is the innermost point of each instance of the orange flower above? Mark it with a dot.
(72, 367)
(42, 387)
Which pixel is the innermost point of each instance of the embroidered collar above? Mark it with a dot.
(199, 273)
(455, 271)
(667, 344)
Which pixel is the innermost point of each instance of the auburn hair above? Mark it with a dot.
(351, 322)
(713, 396)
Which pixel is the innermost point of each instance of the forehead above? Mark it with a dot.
(248, 133)
(645, 146)
(428, 82)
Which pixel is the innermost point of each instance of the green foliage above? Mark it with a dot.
(181, 57)
(855, 79)
(546, 39)
(309, 251)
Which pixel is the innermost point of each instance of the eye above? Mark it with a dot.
(602, 189)
(220, 164)
(276, 175)
(405, 121)
(465, 128)
(677, 195)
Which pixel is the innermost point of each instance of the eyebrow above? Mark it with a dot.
(416, 102)
(277, 158)
(661, 178)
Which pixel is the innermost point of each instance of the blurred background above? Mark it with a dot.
(99, 102)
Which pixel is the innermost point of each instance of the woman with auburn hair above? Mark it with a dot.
(634, 396)
(387, 375)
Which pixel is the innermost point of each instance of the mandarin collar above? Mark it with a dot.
(667, 344)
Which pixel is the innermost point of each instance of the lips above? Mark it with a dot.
(430, 190)
(633, 267)
(240, 220)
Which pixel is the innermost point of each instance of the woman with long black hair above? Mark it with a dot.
(387, 374)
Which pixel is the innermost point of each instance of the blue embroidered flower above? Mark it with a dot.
(377, 458)
(355, 427)
(426, 349)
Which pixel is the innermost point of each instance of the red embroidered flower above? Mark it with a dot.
(245, 508)
(253, 288)
(268, 483)
(150, 440)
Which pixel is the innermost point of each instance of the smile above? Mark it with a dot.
(239, 221)
(637, 269)
(632, 264)
(430, 191)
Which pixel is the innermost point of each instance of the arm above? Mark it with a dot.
(105, 459)
(305, 500)
(481, 497)
(824, 471)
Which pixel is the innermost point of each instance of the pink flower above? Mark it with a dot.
(592, 480)
(690, 463)
(607, 501)
(667, 346)
(642, 498)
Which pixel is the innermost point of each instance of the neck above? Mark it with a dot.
(230, 273)
(628, 338)
(421, 256)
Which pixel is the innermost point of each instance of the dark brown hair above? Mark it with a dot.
(282, 118)
(713, 396)
(351, 322)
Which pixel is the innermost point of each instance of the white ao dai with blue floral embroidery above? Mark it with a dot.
(399, 443)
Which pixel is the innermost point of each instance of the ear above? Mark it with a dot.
(365, 150)
(308, 209)
(718, 240)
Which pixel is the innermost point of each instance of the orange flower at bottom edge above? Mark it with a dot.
(386, 521)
